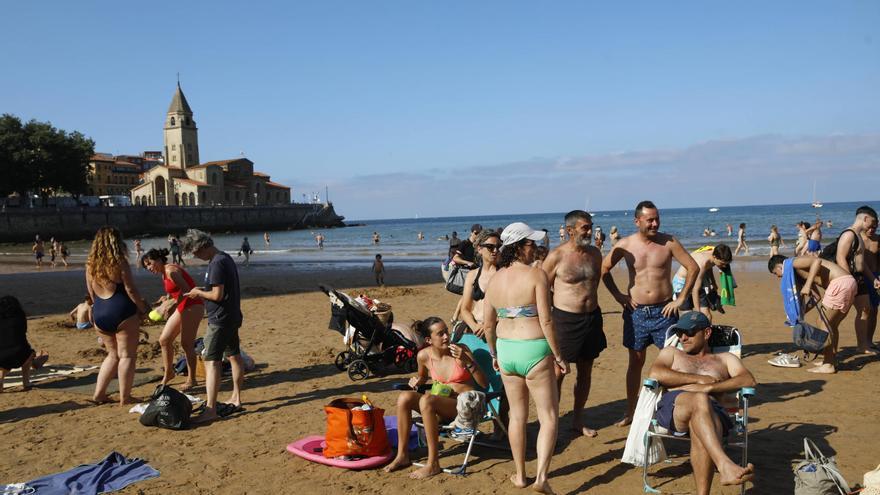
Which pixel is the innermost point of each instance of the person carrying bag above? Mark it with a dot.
(355, 429)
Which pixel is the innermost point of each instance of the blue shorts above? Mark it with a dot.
(666, 408)
(813, 246)
(645, 324)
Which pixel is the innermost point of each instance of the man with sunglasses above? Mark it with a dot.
(695, 379)
(648, 308)
(704, 296)
(573, 271)
(465, 253)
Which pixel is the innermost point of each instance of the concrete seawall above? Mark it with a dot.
(22, 224)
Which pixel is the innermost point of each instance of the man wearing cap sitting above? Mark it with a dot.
(695, 379)
(465, 253)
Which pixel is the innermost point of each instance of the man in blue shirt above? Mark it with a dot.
(223, 305)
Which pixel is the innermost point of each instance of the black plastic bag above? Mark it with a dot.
(168, 408)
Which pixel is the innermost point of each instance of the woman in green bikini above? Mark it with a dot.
(521, 337)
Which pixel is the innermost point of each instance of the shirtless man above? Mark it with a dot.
(707, 260)
(561, 234)
(695, 380)
(81, 315)
(814, 239)
(648, 308)
(851, 257)
(872, 260)
(840, 290)
(573, 271)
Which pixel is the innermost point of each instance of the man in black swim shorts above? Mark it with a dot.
(573, 270)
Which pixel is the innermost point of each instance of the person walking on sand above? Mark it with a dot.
(118, 310)
(851, 256)
(64, 254)
(53, 250)
(222, 298)
(648, 308)
(614, 234)
(573, 271)
(696, 380)
(245, 249)
(524, 348)
(840, 291)
(704, 295)
(775, 240)
(600, 239)
(39, 251)
(185, 318)
(379, 270)
(266, 238)
(139, 253)
(741, 244)
(562, 234)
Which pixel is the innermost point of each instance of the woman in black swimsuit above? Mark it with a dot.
(488, 244)
(118, 310)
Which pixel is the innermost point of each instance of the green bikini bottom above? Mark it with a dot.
(518, 357)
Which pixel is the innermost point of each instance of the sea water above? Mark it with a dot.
(399, 244)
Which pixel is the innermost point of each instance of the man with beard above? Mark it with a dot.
(573, 270)
(648, 308)
(695, 380)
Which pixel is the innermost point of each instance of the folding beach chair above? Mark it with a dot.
(728, 340)
(493, 402)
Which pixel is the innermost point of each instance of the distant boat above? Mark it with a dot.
(816, 204)
(713, 210)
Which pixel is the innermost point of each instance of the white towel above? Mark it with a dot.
(471, 408)
(634, 453)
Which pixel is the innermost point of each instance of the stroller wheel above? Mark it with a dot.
(342, 360)
(358, 370)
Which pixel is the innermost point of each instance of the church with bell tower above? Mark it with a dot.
(184, 181)
(181, 133)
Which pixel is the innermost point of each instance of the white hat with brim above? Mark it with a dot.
(518, 231)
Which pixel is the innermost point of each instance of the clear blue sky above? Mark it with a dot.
(448, 108)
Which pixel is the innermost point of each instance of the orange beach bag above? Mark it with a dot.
(352, 431)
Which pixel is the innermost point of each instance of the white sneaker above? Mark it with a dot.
(786, 361)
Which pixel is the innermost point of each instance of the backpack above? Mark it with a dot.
(829, 252)
(168, 408)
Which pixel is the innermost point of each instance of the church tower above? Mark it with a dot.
(181, 134)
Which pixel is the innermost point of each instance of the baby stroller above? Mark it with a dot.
(373, 344)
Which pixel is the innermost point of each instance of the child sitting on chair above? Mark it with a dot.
(453, 370)
(15, 351)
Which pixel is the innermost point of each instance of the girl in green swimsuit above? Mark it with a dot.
(519, 328)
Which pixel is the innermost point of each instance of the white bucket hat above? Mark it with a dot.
(518, 231)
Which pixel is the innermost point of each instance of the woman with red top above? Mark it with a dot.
(184, 321)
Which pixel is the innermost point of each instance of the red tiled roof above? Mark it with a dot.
(261, 174)
(276, 185)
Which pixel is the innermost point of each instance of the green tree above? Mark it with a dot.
(38, 157)
(17, 175)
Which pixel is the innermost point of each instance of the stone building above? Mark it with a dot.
(183, 181)
(109, 175)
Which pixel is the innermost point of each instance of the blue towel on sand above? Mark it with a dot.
(113, 473)
(791, 300)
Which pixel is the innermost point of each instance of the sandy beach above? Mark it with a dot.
(51, 428)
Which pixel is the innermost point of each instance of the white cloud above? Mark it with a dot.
(767, 169)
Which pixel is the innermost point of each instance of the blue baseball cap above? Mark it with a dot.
(692, 320)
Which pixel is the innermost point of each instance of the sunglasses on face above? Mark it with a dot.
(690, 333)
(490, 247)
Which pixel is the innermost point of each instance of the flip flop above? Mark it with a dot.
(225, 410)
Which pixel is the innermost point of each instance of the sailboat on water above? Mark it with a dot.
(816, 203)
